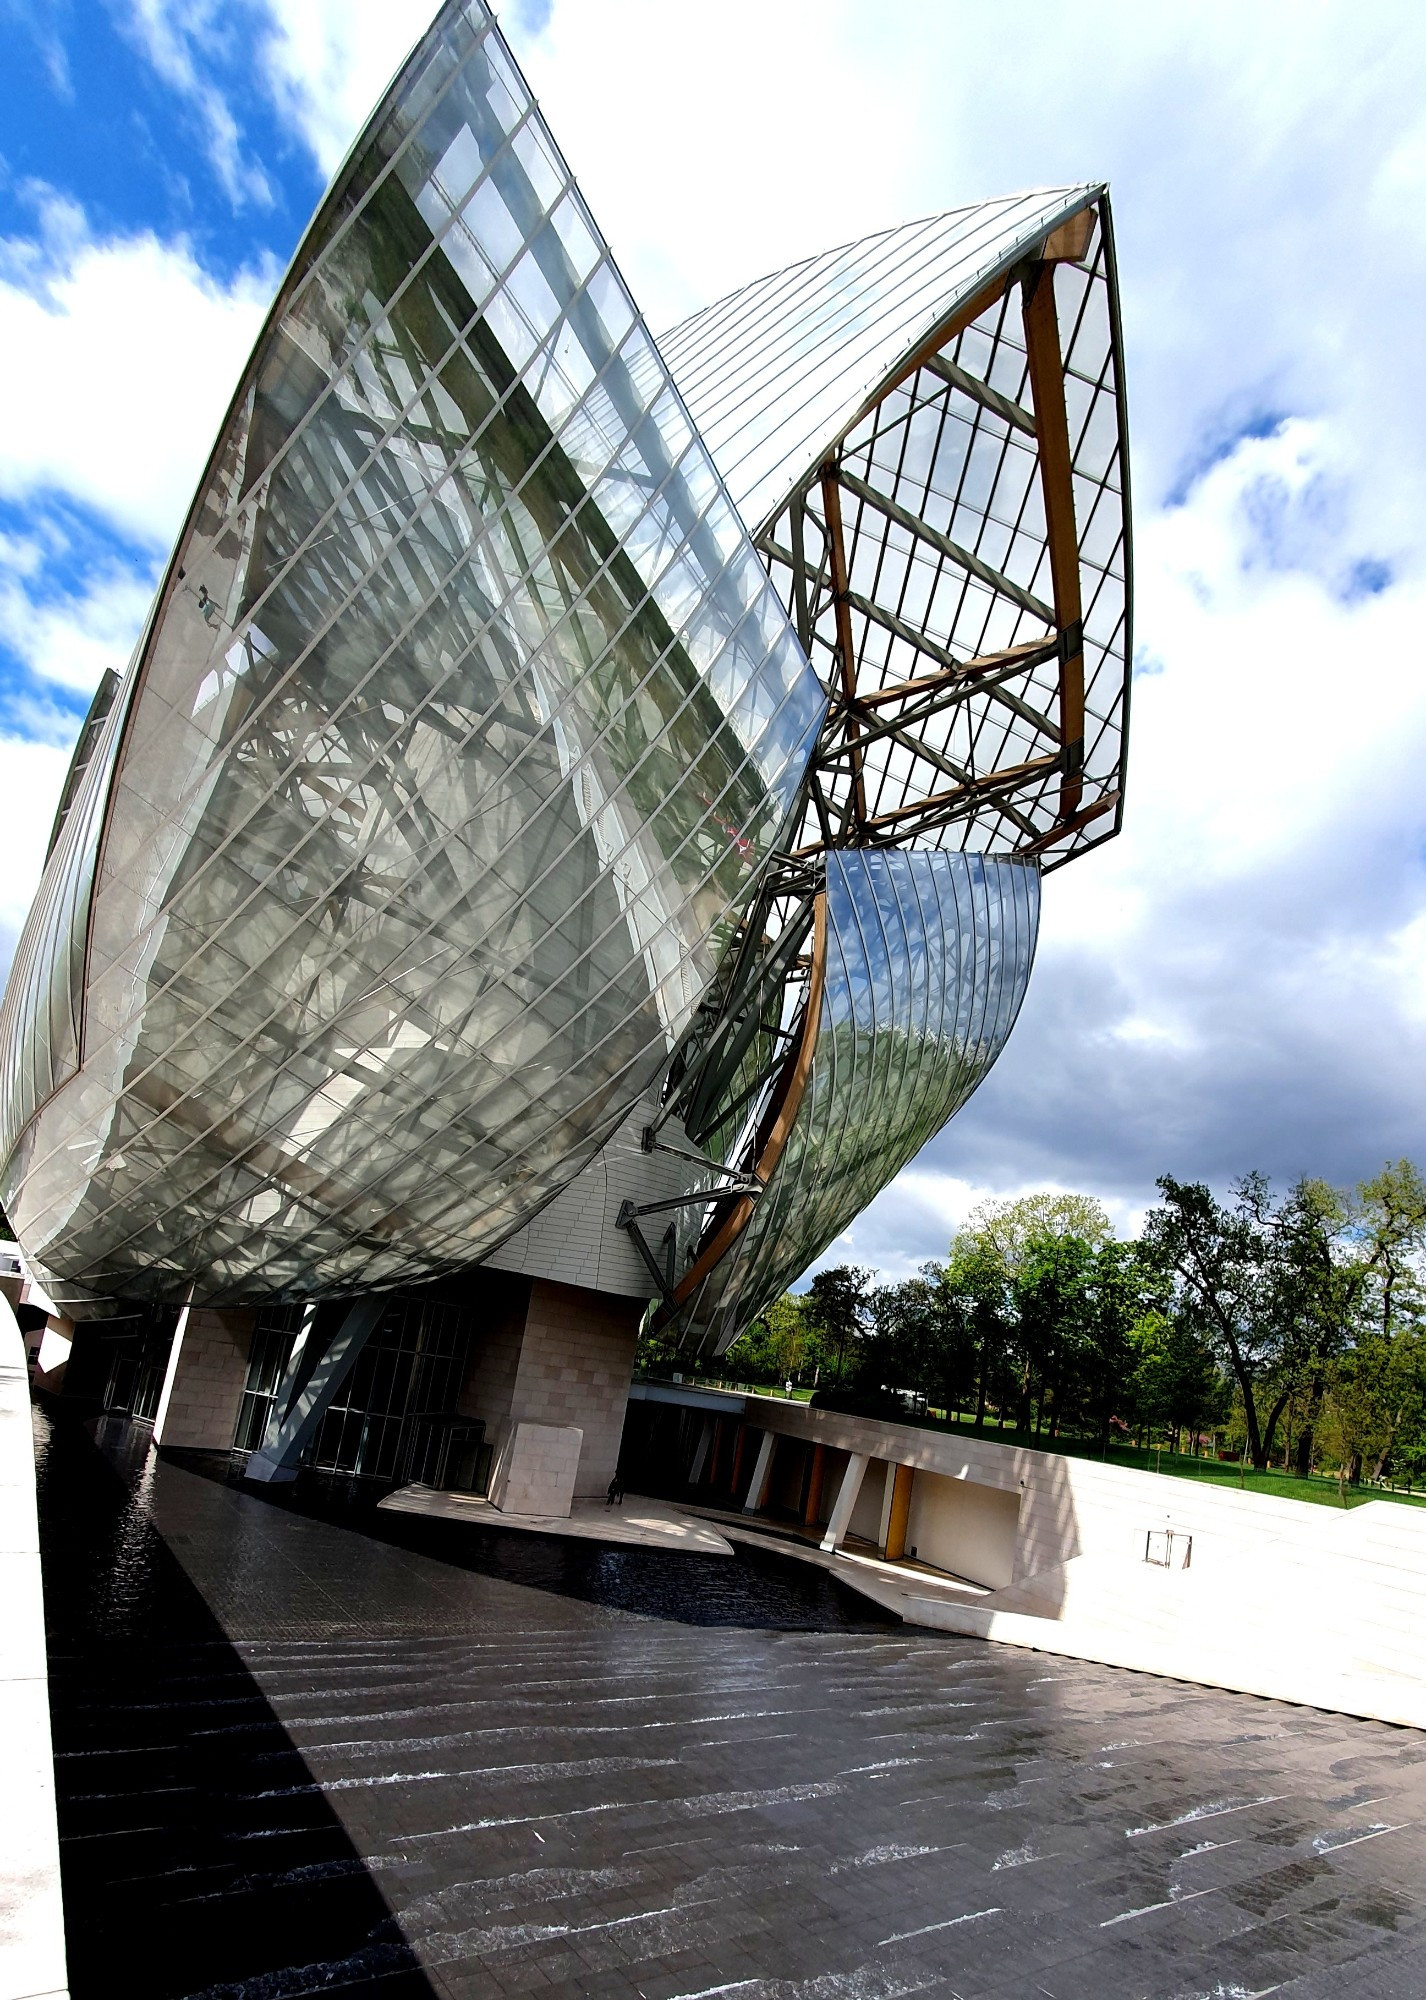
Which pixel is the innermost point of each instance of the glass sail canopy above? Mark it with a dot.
(462, 729)
(925, 433)
(534, 723)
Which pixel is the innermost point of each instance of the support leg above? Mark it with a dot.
(314, 1374)
(757, 1492)
(847, 1493)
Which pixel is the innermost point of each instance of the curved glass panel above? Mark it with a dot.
(775, 372)
(466, 722)
(927, 960)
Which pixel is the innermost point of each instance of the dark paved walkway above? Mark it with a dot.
(304, 1758)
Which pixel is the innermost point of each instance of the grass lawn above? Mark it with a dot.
(1319, 1490)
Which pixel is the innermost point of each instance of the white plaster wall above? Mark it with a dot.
(866, 1515)
(962, 1526)
(1283, 1598)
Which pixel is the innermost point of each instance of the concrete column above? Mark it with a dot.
(203, 1386)
(846, 1500)
(900, 1513)
(52, 1356)
(888, 1488)
(715, 1457)
(757, 1491)
(700, 1456)
(561, 1357)
(812, 1511)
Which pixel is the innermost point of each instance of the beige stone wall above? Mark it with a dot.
(560, 1356)
(489, 1387)
(575, 1364)
(534, 1469)
(207, 1367)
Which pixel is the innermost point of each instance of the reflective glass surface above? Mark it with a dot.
(465, 722)
(927, 959)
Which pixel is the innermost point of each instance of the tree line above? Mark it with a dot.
(1292, 1325)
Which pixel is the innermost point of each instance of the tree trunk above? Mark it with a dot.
(1268, 1434)
(1309, 1425)
(1250, 1417)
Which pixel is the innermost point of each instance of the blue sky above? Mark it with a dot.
(1241, 979)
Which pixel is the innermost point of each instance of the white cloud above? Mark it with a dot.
(181, 39)
(121, 354)
(328, 63)
(71, 640)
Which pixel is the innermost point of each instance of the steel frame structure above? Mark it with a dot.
(927, 743)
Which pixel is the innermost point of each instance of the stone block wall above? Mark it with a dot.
(207, 1367)
(488, 1389)
(562, 1357)
(534, 1469)
(575, 1364)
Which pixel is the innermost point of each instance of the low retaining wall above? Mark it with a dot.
(32, 1962)
(1280, 1598)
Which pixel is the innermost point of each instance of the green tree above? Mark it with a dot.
(1007, 1251)
(921, 1339)
(976, 1283)
(1218, 1258)
(838, 1306)
(1174, 1385)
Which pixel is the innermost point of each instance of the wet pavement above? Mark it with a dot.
(308, 1748)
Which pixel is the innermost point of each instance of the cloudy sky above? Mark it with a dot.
(1241, 979)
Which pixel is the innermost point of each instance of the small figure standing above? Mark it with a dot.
(615, 1495)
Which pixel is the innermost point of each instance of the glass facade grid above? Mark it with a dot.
(775, 373)
(639, 710)
(204, 1053)
(430, 697)
(942, 513)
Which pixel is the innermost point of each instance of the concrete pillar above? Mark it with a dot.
(900, 1513)
(811, 1513)
(700, 1456)
(888, 1488)
(715, 1457)
(52, 1355)
(757, 1491)
(846, 1500)
(558, 1356)
(203, 1386)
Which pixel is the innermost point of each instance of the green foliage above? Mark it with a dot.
(1291, 1327)
(837, 1307)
